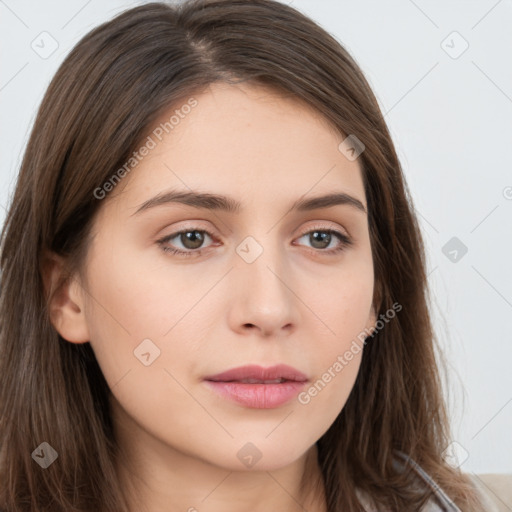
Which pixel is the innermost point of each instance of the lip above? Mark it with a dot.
(258, 395)
(279, 371)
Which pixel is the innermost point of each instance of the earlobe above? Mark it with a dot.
(64, 296)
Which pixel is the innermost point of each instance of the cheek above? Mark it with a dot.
(132, 300)
(125, 305)
(342, 301)
(134, 297)
(343, 304)
(135, 290)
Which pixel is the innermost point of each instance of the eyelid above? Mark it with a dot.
(317, 225)
(212, 233)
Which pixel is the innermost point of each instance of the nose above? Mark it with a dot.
(262, 298)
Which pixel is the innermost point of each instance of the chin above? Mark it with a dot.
(261, 455)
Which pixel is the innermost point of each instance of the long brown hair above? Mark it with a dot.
(101, 103)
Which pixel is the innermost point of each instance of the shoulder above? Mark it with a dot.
(495, 491)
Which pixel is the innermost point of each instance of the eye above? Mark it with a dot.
(192, 240)
(322, 237)
(188, 238)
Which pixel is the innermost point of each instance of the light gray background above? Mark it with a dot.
(450, 116)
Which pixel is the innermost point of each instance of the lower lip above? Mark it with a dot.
(258, 396)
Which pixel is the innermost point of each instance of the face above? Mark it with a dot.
(262, 284)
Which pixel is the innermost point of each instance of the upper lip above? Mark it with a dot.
(280, 371)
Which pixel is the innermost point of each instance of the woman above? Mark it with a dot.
(224, 297)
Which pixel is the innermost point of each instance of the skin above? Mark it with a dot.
(294, 304)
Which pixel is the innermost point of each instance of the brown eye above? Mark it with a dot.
(191, 241)
(321, 239)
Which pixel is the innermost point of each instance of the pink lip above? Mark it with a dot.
(258, 395)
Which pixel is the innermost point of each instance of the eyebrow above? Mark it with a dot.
(209, 201)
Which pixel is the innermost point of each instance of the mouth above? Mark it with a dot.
(257, 387)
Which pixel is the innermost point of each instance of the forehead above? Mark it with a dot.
(243, 140)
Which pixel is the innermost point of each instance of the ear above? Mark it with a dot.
(65, 297)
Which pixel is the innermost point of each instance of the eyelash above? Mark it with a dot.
(345, 241)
